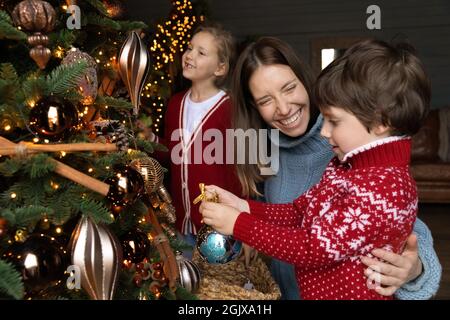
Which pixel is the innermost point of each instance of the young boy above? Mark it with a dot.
(373, 99)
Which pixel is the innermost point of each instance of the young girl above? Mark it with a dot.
(190, 114)
(319, 247)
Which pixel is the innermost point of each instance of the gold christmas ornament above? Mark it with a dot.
(151, 171)
(168, 212)
(155, 201)
(21, 235)
(164, 194)
(39, 53)
(88, 86)
(133, 67)
(34, 15)
(38, 17)
(98, 253)
(153, 175)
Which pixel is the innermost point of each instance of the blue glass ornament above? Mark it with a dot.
(215, 248)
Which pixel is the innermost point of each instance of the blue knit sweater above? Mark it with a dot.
(302, 163)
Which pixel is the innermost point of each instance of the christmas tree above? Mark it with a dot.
(83, 209)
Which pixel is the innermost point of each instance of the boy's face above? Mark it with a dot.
(281, 98)
(345, 132)
(200, 61)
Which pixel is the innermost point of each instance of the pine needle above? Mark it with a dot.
(39, 166)
(7, 30)
(9, 167)
(116, 103)
(97, 20)
(99, 6)
(131, 25)
(27, 216)
(8, 73)
(94, 209)
(66, 77)
(11, 281)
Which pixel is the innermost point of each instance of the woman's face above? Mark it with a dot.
(281, 99)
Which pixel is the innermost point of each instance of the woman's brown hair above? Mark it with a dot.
(264, 51)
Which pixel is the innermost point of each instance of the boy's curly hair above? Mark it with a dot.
(380, 84)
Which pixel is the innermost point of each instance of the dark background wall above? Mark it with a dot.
(426, 24)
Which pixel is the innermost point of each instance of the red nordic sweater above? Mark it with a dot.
(368, 201)
(186, 164)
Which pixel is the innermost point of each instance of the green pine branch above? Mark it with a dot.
(9, 215)
(7, 30)
(11, 281)
(65, 78)
(128, 219)
(131, 25)
(13, 113)
(39, 166)
(182, 294)
(29, 216)
(167, 294)
(116, 103)
(33, 88)
(105, 22)
(10, 166)
(62, 209)
(64, 38)
(9, 82)
(8, 73)
(133, 155)
(38, 192)
(150, 147)
(7, 92)
(92, 208)
(62, 212)
(179, 245)
(145, 146)
(105, 164)
(4, 16)
(97, 4)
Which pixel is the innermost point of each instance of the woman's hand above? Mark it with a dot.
(395, 270)
(248, 254)
(219, 216)
(228, 198)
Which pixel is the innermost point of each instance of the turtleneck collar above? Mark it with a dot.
(391, 151)
(290, 142)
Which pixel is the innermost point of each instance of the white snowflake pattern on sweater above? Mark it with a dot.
(352, 210)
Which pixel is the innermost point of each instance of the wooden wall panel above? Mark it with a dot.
(425, 23)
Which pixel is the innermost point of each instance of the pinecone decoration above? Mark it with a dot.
(121, 140)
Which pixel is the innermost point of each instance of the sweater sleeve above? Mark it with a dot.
(341, 230)
(287, 215)
(427, 284)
